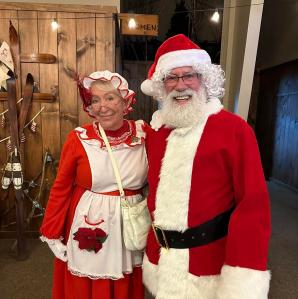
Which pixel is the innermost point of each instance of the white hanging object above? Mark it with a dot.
(23, 138)
(5, 56)
(3, 75)
(8, 144)
(215, 17)
(3, 121)
(33, 126)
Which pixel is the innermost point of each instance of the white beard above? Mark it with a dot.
(186, 115)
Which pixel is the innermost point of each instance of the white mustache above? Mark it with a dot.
(187, 92)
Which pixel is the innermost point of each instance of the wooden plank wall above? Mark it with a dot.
(77, 24)
(277, 122)
(135, 73)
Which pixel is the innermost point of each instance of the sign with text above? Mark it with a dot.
(139, 24)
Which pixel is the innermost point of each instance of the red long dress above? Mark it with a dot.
(83, 174)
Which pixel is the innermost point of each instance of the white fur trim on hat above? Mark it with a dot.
(172, 60)
(180, 58)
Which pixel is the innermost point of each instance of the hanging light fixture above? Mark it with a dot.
(54, 24)
(132, 23)
(215, 17)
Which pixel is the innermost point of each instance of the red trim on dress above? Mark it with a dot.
(127, 192)
(93, 223)
(127, 134)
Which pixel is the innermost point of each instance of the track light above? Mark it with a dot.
(132, 23)
(215, 17)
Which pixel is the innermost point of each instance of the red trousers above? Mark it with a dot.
(68, 286)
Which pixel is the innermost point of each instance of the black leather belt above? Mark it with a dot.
(202, 234)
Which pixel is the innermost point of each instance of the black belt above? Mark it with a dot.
(202, 234)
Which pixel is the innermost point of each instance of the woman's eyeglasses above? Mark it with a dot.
(172, 80)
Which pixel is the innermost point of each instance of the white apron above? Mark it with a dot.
(113, 259)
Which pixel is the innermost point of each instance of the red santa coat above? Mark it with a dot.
(193, 177)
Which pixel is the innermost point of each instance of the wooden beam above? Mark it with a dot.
(58, 7)
(37, 96)
(38, 58)
(250, 54)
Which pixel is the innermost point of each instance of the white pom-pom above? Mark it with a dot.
(147, 88)
(156, 120)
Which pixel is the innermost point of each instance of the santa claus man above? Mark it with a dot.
(207, 193)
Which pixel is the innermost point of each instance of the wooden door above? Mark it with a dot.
(277, 122)
(84, 41)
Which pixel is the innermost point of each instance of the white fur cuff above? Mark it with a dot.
(244, 283)
(149, 275)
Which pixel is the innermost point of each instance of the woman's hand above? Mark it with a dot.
(57, 247)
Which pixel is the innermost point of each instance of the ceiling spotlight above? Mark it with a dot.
(132, 23)
(54, 24)
(215, 17)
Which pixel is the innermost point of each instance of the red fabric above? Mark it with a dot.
(73, 170)
(126, 191)
(73, 178)
(175, 43)
(129, 126)
(226, 171)
(124, 128)
(68, 286)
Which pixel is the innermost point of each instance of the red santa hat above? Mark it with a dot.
(176, 51)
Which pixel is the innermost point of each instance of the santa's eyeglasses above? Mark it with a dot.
(172, 80)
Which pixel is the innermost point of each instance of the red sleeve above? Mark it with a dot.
(249, 228)
(146, 127)
(148, 130)
(61, 192)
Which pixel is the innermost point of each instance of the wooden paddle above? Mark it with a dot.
(38, 58)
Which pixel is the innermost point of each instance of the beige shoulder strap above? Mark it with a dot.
(113, 160)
